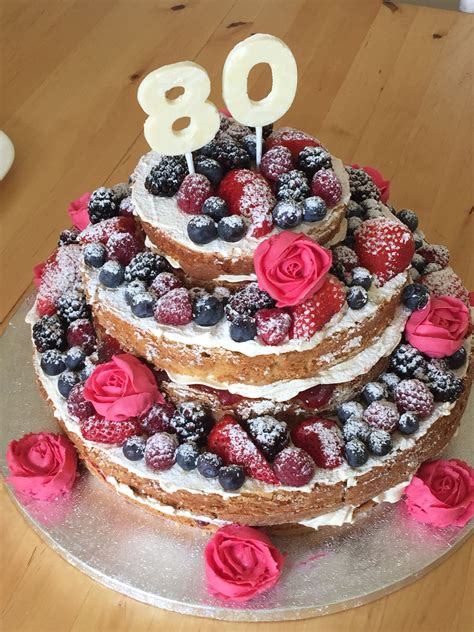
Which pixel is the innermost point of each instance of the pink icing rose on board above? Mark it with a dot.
(442, 493)
(78, 211)
(291, 267)
(439, 328)
(42, 465)
(241, 562)
(382, 185)
(122, 388)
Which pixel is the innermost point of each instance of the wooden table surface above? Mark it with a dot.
(382, 84)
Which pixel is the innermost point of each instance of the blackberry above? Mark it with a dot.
(248, 301)
(355, 210)
(337, 269)
(68, 236)
(145, 266)
(312, 159)
(269, 434)
(72, 306)
(166, 177)
(121, 190)
(361, 185)
(445, 386)
(191, 422)
(266, 130)
(102, 205)
(49, 333)
(458, 358)
(353, 223)
(250, 144)
(409, 218)
(292, 186)
(406, 361)
(228, 153)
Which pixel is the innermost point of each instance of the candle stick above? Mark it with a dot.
(190, 162)
(258, 146)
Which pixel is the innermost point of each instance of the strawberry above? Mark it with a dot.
(102, 430)
(385, 247)
(248, 193)
(60, 275)
(230, 441)
(103, 230)
(314, 313)
(434, 253)
(322, 440)
(445, 283)
(292, 139)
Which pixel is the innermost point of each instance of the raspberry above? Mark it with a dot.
(321, 439)
(48, 333)
(292, 185)
(276, 162)
(294, 467)
(414, 396)
(174, 308)
(102, 430)
(362, 186)
(145, 266)
(122, 247)
(273, 326)
(158, 418)
(434, 253)
(77, 406)
(81, 333)
(292, 139)
(72, 306)
(312, 159)
(406, 361)
(446, 283)
(102, 205)
(103, 231)
(383, 415)
(269, 434)
(194, 190)
(313, 314)
(191, 422)
(107, 348)
(248, 301)
(160, 451)
(346, 257)
(166, 177)
(326, 185)
(164, 283)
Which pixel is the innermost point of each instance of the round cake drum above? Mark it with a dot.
(161, 563)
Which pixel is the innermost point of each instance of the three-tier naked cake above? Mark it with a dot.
(257, 346)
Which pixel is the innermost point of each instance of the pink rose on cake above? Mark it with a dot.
(79, 212)
(42, 465)
(382, 185)
(440, 327)
(122, 388)
(291, 267)
(241, 562)
(442, 493)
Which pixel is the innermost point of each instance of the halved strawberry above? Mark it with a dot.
(102, 430)
(230, 441)
(322, 440)
(291, 138)
(313, 314)
(385, 247)
(316, 396)
(248, 193)
(103, 230)
(60, 275)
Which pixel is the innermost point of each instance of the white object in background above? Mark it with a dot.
(164, 112)
(467, 6)
(259, 49)
(7, 154)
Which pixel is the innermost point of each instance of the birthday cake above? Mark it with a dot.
(268, 344)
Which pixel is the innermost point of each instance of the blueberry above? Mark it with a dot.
(231, 477)
(314, 209)
(134, 287)
(374, 392)
(415, 296)
(357, 297)
(458, 358)
(362, 277)
(142, 305)
(95, 255)
(356, 429)
(249, 141)
(356, 453)
(349, 410)
(408, 423)
(287, 214)
(134, 448)
(66, 381)
(202, 229)
(52, 362)
(208, 311)
(354, 210)
(231, 228)
(208, 464)
(243, 329)
(75, 358)
(380, 442)
(210, 168)
(409, 218)
(215, 207)
(111, 274)
(187, 455)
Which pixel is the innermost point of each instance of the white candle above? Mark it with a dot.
(164, 112)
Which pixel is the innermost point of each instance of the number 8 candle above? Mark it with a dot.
(254, 50)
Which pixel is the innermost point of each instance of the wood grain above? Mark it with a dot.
(383, 84)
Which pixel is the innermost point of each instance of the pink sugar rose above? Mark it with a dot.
(439, 328)
(42, 465)
(78, 211)
(442, 493)
(291, 267)
(122, 388)
(382, 185)
(241, 562)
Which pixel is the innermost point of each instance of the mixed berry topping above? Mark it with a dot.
(49, 333)
(326, 185)
(174, 308)
(134, 448)
(191, 422)
(269, 434)
(276, 162)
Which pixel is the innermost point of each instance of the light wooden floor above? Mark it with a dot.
(385, 85)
